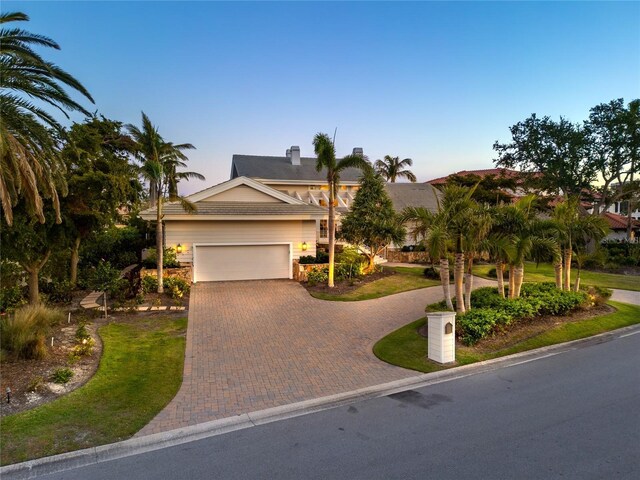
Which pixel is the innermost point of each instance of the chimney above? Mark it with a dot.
(288, 153)
(358, 151)
(295, 155)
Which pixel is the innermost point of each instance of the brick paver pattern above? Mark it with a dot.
(260, 344)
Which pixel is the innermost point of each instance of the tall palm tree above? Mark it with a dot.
(326, 160)
(475, 236)
(30, 166)
(159, 162)
(392, 168)
(431, 228)
(575, 229)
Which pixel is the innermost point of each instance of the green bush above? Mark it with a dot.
(307, 260)
(11, 298)
(317, 275)
(479, 323)
(120, 246)
(25, 332)
(62, 375)
(149, 284)
(57, 291)
(82, 332)
(433, 273)
(177, 287)
(169, 258)
(322, 256)
(84, 348)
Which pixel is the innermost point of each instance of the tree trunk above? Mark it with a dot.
(500, 275)
(159, 245)
(567, 269)
(33, 270)
(75, 258)
(444, 278)
(372, 261)
(557, 266)
(512, 276)
(104, 296)
(629, 221)
(576, 286)
(468, 284)
(518, 275)
(332, 236)
(458, 275)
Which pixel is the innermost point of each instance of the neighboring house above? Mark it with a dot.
(297, 177)
(405, 195)
(241, 230)
(618, 225)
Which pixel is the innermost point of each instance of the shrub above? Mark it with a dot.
(177, 287)
(307, 260)
(24, 333)
(57, 291)
(493, 274)
(597, 295)
(434, 273)
(149, 284)
(486, 297)
(82, 332)
(82, 349)
(120, 246)
(317, 275)
(322, 256)
(62, 375)
(11, 298)
(169, 258)
(478, 323)
(35, 384)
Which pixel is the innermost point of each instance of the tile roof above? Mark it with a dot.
(619, 222)
(280, 168)
(413, 195)
(498, 172)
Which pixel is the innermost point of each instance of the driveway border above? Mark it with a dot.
(138, 445)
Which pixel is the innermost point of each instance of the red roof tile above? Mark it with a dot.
(619, 222)
(498, 172)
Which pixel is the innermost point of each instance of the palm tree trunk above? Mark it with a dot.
(567, 268)
(512, 276)
(518, 275)
(557, 266)
(75, 258)
(576, 286)
(159, 245)
(332, 236)
(458, 275)
(468, 283)
(500, 275)
(444, 278)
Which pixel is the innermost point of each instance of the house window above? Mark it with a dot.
(324, 228)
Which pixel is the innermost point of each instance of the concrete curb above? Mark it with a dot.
(148, 443)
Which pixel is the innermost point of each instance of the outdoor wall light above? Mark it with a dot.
(179, 248)
(304, 246)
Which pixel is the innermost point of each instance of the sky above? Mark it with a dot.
(438, 82)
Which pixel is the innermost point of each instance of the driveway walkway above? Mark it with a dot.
(626, 296)
(260, 344)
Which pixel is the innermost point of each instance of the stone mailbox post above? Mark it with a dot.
(442, 336)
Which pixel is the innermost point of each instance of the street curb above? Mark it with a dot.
(156, 441)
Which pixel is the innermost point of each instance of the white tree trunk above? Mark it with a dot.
(557, 266)
(444, 278)
(500, 275)
(518, 275)
(458, 275)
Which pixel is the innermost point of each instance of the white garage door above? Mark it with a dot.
(241, 262)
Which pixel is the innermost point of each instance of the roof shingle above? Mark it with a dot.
(280, 168)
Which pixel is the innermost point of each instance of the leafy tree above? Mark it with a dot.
(30, 243)
(326, 160)
(372, 221)
(392, 168)
(29, 164)
(560, 150)
(160, 160)
(614, 140)
(100, 180)
(479, 222)
(489, 189)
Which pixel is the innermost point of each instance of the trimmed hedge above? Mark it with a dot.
(490, 311)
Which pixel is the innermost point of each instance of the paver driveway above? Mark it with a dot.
(260, 344)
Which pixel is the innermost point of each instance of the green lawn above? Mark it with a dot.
(140, 372)
(406, 348)
(405, 279)
(544, 273)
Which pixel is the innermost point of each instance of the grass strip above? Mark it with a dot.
(408, 349)
(140, 372)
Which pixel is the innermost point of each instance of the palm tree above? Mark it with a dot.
(29, 163)
(573, 230)
(431, 228)
(475, 236)
(326, 159)
(500, 248)
(159, 162)
(392, 168)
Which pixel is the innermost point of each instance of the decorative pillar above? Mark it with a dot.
(442, 336)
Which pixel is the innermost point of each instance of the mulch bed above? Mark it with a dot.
(345, 286)
(527, 328)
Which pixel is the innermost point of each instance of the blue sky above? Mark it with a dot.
(437, 82)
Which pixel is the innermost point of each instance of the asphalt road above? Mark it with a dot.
(574, 414)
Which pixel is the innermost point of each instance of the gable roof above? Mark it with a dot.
(413, 195)
(249, 182)
(280, 168)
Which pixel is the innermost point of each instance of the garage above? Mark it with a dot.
(215, 263)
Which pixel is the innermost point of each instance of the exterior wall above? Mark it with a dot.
(242, 193)
(187, 233)
(620, 236)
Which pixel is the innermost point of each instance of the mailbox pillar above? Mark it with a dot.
(442, 336)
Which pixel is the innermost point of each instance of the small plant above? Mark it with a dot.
(62, 375)
(11, 298)
(24, 333)
(82, 349)
(149, 284)
(177, 287)
(82, 332)
(317, 275)
(35, 384)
